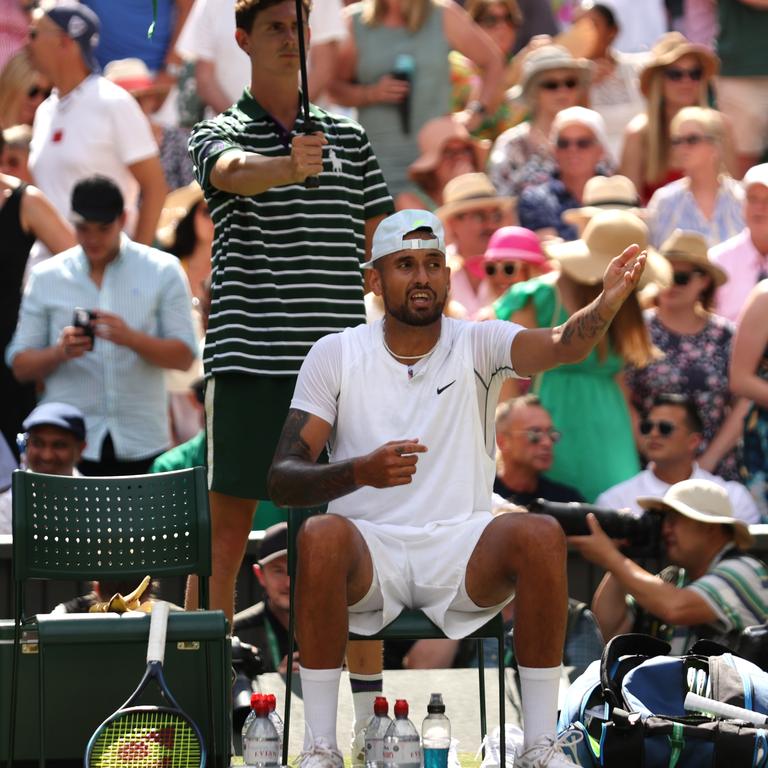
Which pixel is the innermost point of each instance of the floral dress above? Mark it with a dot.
(695, 365)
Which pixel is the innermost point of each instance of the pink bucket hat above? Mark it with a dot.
(515, 244)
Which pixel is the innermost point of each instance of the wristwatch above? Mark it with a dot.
(477, 107)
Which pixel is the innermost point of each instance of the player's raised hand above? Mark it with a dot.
(394, 463)
(622, 276)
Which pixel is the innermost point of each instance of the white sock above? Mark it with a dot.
(320, 691)
(539, 687)
(365, 689)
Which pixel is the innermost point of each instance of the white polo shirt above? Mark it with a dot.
(96, 128)
(350, 380)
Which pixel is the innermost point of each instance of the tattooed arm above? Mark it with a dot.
(539, 349)
(296, 479)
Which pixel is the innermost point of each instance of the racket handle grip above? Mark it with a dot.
(702, 704)
(310, 126)
(311, 182)
(158, 625)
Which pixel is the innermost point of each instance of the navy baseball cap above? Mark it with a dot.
(80, 23)
(97, 198)
(274, 544)
(57, 415)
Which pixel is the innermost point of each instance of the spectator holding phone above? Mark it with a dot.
(133, 319)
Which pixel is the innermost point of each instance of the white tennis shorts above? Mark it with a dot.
(425, 569)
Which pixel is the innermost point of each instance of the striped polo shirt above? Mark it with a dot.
(286, 262)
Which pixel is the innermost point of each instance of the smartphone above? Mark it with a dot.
(83, 318)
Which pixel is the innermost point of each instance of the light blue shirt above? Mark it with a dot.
(118, 391)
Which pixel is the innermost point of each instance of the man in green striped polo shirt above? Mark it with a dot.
(713, 589)
(286, 262)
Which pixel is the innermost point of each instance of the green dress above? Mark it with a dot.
(597, 449)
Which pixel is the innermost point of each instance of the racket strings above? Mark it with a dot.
(147, 739)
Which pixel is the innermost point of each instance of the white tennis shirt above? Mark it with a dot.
(349, 380)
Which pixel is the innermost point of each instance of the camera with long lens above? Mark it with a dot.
(643, 532)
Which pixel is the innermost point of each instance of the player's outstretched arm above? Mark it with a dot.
(296, 480)
(539, 349)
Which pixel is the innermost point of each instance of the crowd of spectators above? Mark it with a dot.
(547, 137)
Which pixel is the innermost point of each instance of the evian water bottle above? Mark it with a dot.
(261, 747)
(402, 748)
(375, 733)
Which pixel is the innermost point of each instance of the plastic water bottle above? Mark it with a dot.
(249, 718)
(261, 746)
(402, 748)
(436, 733)
(277, 721)
(375, 733)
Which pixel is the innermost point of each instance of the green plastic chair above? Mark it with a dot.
(105, 528)
(409, 625)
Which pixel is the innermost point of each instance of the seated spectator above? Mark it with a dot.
(744, 257)
(133, 76)
(447, 151)
(526, 439)
(580, 143)
(670, 439)
(706, 200)
(594, 457)
(265, 624)
(110, 363)
(471, 213)
(749, 379)
(118, 142)
(552, 80)
(14, 152)
(22, 90)
(500, 19)
(695, 347)
(604, 193)
(54, 440)
(678, 74)
(712, 589)
(190, 453)
(615, 89)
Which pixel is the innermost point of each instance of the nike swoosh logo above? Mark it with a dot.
(442, 389)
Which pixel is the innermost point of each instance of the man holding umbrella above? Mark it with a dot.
(286, 261)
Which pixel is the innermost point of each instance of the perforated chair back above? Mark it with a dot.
(111, 527)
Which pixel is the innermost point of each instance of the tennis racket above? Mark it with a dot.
(144, 736)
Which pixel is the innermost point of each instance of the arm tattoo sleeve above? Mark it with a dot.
(296, 479)
(585, 327)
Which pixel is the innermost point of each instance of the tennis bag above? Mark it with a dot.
(626, 710)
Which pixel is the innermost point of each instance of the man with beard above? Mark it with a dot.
(406, 406)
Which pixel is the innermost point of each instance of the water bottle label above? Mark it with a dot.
(404, 753)
(374, 750)
(261, 754)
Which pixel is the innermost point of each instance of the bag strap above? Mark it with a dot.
(707, 647)
(732, 748)
(624, 742)
(623, 645)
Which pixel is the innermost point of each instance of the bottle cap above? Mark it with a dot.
(255, 697)
(261, 707)
(436, 705)
(380, 706)
(272, 701)
(401, 708)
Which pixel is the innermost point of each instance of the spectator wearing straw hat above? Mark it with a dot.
(604, 193)
(744, 257)
(134, 76)
(696, 347)
(580, 144)
(447, 151)
(89, 125)
(471, 213)
(598, 448)
(713, 588)
(552, 80)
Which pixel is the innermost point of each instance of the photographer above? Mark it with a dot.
(137, 321)
(712, 589)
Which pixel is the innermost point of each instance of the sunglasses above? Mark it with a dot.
(683, 278)
(509, 268)
(491, 20)
(535, 436)
(665, 428)
(36, 90)
(692, 140)
(481, 217)
(676, 74)
(555, 85)
(583, 143)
